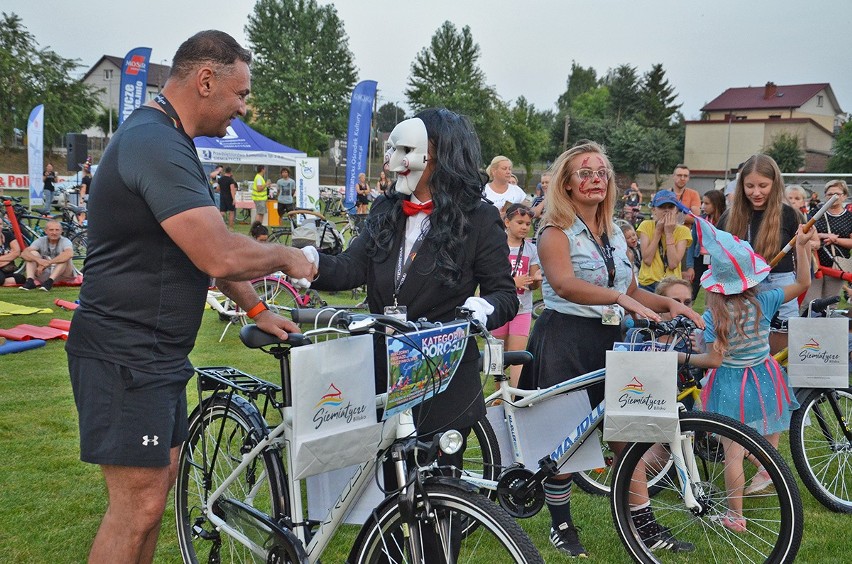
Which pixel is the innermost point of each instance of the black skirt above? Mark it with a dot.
(564, 346)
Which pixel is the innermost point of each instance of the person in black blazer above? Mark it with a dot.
(455, 244)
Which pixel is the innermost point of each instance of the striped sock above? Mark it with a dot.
(557, 495)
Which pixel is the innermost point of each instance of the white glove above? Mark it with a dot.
(479, 307)
(313, 257)
(311, 254)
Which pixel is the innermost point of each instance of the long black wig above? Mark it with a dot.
(456, 184)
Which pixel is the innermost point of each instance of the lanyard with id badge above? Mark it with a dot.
(612, 314)
(403, 265)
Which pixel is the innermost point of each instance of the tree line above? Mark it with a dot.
(303, 74)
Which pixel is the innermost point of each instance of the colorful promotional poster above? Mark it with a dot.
(421, 364)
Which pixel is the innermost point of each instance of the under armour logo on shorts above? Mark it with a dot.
(146, 441)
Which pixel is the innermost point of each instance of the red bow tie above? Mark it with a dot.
(410, 208)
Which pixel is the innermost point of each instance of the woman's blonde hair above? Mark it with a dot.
(670, 281)
(767, 242)
(727, 309)
(837, 182)
(489, 170)
(559, 209)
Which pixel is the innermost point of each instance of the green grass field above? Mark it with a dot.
(51, 503)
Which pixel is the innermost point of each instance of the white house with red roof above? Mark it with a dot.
(742, 121)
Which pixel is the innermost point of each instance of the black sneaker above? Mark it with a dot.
(47, 284)
(657, 537)
(566, 540)
(29, 284)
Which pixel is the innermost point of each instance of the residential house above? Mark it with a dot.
(105, 77)
(743, 121)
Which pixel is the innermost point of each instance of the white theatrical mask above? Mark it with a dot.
(408, 154)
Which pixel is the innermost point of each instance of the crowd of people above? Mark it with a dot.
(442, 235)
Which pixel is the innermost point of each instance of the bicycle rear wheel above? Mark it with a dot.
(80, 242)
(219, 434)
(773, 520)
(438, 533)
(279, 297)
(821, 447)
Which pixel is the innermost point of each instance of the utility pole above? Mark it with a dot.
(565, 133)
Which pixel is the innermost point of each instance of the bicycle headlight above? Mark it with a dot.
(451, 442)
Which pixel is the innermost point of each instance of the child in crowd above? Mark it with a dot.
(663, 240)
(634, 253)
(745, 382)
(797, 198)
(527, 275)
(259, 232)
(713, 205)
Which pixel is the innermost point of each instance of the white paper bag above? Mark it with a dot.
(334, 405)
(818, 352)
(641, 397)
(542, 430)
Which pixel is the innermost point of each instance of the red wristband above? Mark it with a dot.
(255, 311)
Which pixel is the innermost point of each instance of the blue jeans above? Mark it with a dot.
(779, 280)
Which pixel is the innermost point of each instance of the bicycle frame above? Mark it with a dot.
(513, 399)
(399, 426)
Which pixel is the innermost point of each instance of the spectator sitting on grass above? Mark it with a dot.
(48, 259)
(9, 251)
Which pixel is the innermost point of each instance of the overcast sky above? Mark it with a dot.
(526, 46)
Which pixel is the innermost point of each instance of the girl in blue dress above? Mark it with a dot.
(745, 382)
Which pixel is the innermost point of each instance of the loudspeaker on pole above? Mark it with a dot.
(78, 150)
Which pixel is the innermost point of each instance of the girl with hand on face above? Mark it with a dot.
(663, 241)
(588, 286)
(759, 216)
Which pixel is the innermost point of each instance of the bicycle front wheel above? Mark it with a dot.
(219, 433)
(442, 531)
(821, 445)
(482, 456)
(772, 528)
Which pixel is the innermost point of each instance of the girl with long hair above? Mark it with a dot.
(759, 215)
(745, 382)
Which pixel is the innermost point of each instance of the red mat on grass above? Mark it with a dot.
(76, 281)
(26, 332)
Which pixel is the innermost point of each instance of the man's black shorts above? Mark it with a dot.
(128, 417)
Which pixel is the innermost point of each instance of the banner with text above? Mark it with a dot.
(134, 81)
(307, 183)
(358, 143)
(35, 153)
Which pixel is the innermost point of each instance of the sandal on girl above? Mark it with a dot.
(760, 483)
(731, 522)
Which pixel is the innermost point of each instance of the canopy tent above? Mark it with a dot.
(243, 145)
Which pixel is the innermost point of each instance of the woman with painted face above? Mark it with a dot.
(428, 244)
(588, 286)
(759, 215)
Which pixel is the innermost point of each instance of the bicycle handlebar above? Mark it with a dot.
(821, 304)
(664, 327)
